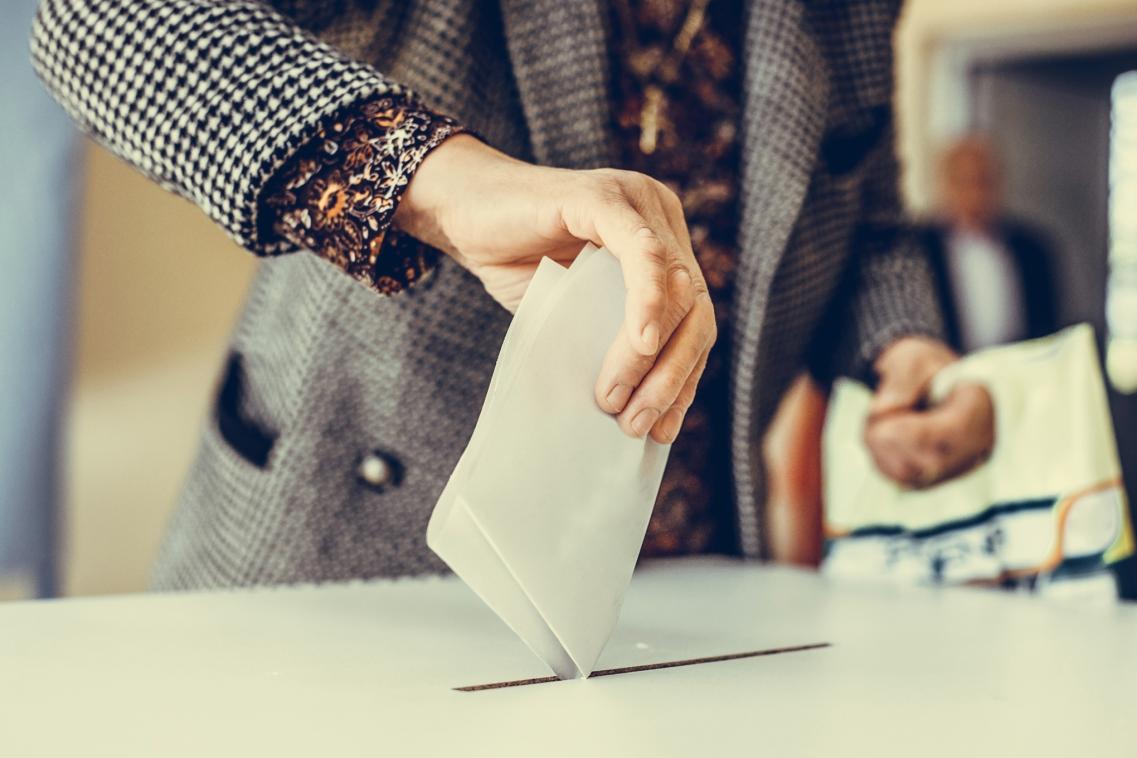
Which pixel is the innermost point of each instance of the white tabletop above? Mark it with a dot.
(368, 669)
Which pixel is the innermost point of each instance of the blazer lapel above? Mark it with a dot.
(785, 98)
(560, 59)
(559, 53)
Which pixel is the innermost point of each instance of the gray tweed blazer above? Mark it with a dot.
(341, 413)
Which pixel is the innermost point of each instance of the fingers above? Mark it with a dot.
(967, 428)
(906, 369)
(666, 392)
(922, 449)
(641, 222)
(651, 371)
(667, 428)
(904, 448)
(624, 366)
(899, 391)
(644, 257)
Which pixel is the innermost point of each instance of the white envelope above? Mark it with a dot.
(546, 510)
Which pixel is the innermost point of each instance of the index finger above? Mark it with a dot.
(643, 258)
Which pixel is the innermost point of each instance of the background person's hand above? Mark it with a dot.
(919, 447)
(498, 217)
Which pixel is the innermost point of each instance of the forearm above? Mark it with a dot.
(893, 297)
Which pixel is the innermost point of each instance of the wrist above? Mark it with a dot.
(447, 170)
(911, 349)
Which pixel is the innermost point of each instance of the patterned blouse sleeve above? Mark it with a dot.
(337, 195)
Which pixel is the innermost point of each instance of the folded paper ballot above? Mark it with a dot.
(545, 513)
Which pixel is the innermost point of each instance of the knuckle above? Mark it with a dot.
(671, 382)
(686, 397)
(878, 436)
(652, 295)
(647, 238)
(652, 248)
(702, 294)
(682, 288)
(628, 184)
(712, 329)
(638, 181)
(655, 396)
(666, 194)
(634, 368)
(708, 324)
(604, 186)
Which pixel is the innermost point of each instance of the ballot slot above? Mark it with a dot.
(649, 667)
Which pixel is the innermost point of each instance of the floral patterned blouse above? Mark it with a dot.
(337, 195)
(676, 115)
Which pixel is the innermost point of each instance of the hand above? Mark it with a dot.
(498, 217)
(921, 447)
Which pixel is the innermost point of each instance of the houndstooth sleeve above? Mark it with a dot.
(888, 291)
(208, 98)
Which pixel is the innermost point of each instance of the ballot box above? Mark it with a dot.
(399, 668)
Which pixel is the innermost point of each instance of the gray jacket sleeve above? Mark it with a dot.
(208, 98)
(887, 291)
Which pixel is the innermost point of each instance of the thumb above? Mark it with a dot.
(897, 391)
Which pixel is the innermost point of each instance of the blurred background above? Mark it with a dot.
(117, 298)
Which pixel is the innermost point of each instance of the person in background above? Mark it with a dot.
(993, 274)
(993, 271)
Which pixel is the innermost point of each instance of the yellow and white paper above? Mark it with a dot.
(1054, 441)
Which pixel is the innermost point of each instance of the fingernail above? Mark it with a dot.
(669, 427)
(650, 336)
(644, 421)
(618, 397)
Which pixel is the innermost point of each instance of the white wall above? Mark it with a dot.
(159, 288)
(934, 39)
